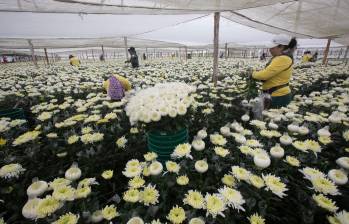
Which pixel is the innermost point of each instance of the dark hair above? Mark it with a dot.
(292, 44)
(71, 56)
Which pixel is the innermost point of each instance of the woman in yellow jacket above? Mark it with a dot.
(278, 71)
(74, 61)
(116, 86)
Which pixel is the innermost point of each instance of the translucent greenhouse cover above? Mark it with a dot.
(167, 23)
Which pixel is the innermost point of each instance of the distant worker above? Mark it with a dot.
(306, 57)
(101, 57)
(263, 56)
(278, 71)
(74, 61)
(314, 57)
(134, 58)
(144, 56)
(116, 86)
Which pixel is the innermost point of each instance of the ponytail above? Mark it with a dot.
(292, 44)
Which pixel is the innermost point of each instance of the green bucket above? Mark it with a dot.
(16, 113)
(163, 143)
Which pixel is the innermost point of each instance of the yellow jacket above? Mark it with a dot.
(124, 82)
(277, 73)
(74, 61)
(306, 58)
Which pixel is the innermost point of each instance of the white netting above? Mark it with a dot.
(304, 18)
(131, 6)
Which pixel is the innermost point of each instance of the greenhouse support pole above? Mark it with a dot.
(33, 54)
(325, 60)
(46, 57)
(126, 52)
(215, 47)
(93, 55)
(345, 55)
(226, 51)
(103, 52)
(186, 53)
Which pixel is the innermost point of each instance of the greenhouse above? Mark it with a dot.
(163, 111)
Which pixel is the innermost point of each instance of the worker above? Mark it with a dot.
(74, 60)
(278, 71)
(306, 57)
(314, 57)
(116, 86)
(134, 58)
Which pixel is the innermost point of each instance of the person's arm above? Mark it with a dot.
(277, 65)
(106, 85)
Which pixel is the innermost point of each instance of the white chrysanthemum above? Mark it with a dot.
(155, 168)
(275, 185)
(201, 166)
(202, 134)
(277, 151)
(214, 205)
(29, 210)
(11, 170)
(310, 173)
(240, 173)
(73, 173)
(121, 142)
(338, 176)
(232, 197)
(343, 162)
(198, 144)
(135, 220)
(261, 160)
(196, 221)
(182, 150)
(37, 188)
(218, 139)
(97, 216)
(132, 171)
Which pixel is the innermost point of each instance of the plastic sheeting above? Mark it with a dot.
(303, 18)
(13, 43)
(131, 6)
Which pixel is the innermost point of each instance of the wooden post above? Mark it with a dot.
(126, 51)
(226, 51)
(32, 53)
(215, 47)
(325, 60)
(46, 57)
(93, 55)
(104, 57)
(345, 55)
(186, 53)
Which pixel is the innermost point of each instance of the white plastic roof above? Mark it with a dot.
(166, 23)
(131, 6)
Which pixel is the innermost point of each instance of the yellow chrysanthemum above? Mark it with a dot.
(176, 215)
(68, 218)
(107, 174)
(2, 141)
(293, 161)
(182, 180)
(195, 199)
(324, 185)
(256, 219)
(47, 206)
(65, 193)
(256, 181)
(149, 196)
(82, 192)
(214, 205)
(109, 212)
(172, 167)
(136, 182)
(131, 195)
(325, 202)
(228, 180)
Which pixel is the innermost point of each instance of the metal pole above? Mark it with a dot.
(33, 54)
(103, 53)
(93, 55)
(186, 53)
(46, 57)
(226, 51)
(325, 60)
(126, 52)
(215, 47)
